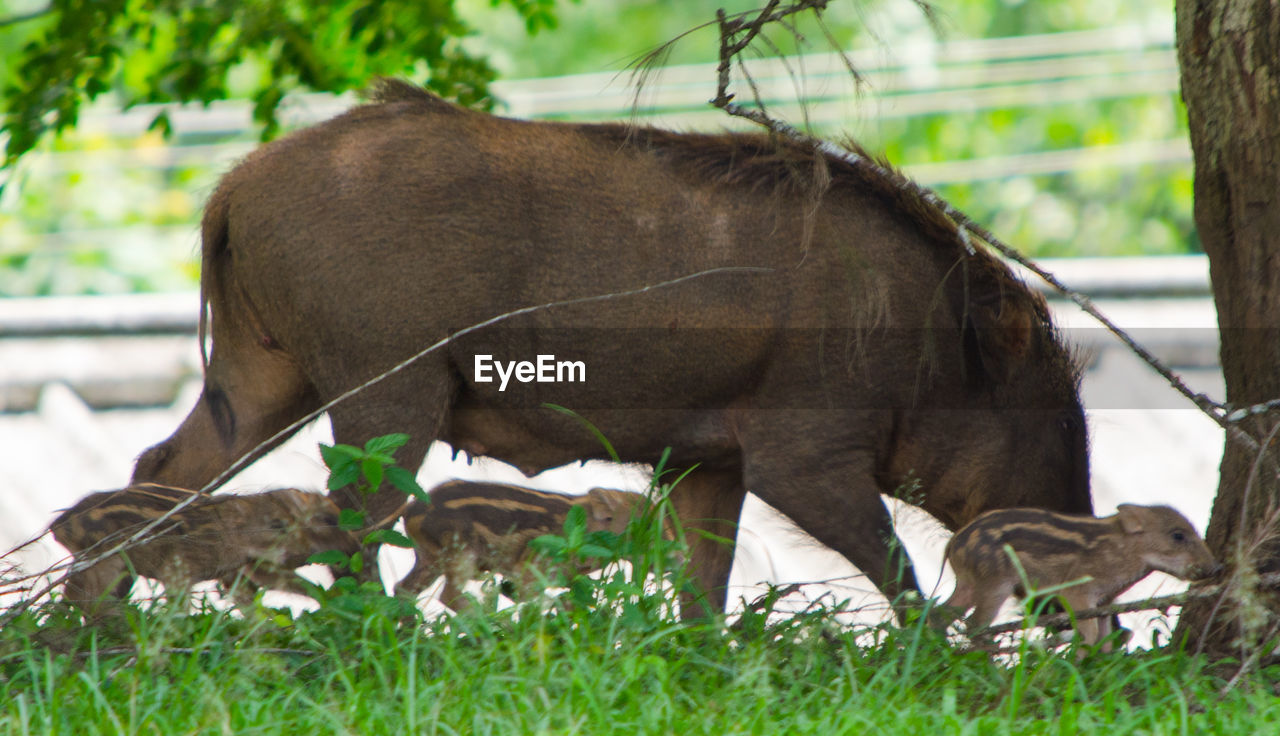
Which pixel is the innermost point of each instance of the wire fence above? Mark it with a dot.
(116, 209)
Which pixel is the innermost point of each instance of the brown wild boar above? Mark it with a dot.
(471, 528)
(1114, 552)
(861, 344)
(262, 537)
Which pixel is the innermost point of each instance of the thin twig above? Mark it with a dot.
(146, 531)
(1250, 661)
(250, 456)
(1269, 580)
(1260, 534)
(1239, 415)
(777, 594)
(966, 228)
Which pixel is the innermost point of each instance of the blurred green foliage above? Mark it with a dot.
(92, 212)
(609, 34)
(148, 51)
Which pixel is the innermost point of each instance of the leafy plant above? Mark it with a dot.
(365, 468)
(642, 590)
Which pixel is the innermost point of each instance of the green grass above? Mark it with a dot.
(607, 656)
(582, 670)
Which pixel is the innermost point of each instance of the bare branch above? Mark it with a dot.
(1269, 580)
(1251, 661)
(731, 45)
(966, 228)
(1239, 415)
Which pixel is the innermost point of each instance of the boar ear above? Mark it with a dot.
(1002, 325)
(1131, 518)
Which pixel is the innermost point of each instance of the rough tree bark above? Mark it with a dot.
(1229, 53)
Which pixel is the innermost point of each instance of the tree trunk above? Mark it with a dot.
(1229, 53)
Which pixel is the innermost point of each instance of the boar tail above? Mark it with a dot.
(946, 560)
(214, 238)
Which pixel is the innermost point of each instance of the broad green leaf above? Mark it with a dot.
(347, 475)
(406, 481)
(388, 536)
(339, 454)
(372, 471)
(351, 520)
(548, 544)
(575, 526)
(357, 562)
(386, 443)
(594, 550)
(332, 557)
(333, 458)
(582, 590)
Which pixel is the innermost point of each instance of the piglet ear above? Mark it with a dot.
(606, 503)
(1131, 518)
(1003, 329)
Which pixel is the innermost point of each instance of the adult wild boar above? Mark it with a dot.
(860, 348)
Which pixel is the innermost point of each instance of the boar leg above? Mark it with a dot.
(240, 588)
(827, 487)
(460, 566)
(961, 600)
(987, 605)
(382, 408)
(709, 504)
(89, 589)
(244, 584)
(1092, 630)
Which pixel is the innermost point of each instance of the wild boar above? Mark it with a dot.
(261, 537)
(1113, 552)
(851, 344)
(470, 528)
